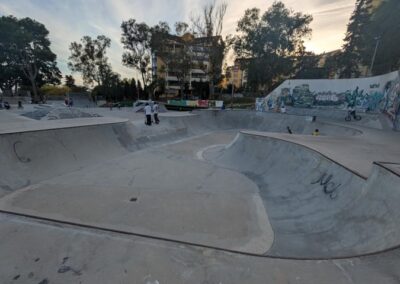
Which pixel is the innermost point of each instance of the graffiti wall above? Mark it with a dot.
(375, 94)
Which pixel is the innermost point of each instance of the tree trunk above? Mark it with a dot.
(211, 86)
(16, 88)
(35, 96)
(145, 87)
(182, 90)
(31, 71)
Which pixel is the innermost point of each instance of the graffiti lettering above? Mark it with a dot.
(20, 158)
(372, 95)
(330, 188)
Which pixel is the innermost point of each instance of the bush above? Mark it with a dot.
(56, 91)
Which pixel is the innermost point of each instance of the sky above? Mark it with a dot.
(70, 20)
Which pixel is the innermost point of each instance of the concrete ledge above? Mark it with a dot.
(33, 126)
(355, 154)
(394, 168)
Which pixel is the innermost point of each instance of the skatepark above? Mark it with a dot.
(213, 196)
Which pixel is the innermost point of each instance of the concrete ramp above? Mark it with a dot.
(207, 197)
(211, 120)
(107, 176)
(317, 208)
(284, 197)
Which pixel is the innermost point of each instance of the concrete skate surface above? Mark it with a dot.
(204, 197)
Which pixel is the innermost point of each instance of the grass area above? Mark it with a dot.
(240, 103)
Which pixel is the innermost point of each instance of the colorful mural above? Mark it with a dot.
(195, 103)
(375, 94)
(391, 102)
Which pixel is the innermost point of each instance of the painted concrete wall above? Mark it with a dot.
(376, 94)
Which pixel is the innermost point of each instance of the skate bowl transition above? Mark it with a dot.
(226, 180)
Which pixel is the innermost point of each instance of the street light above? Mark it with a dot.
(378, 39)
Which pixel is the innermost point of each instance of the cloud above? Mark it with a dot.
(70, 20)
(333, 11)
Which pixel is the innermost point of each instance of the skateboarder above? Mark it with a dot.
(147, 112)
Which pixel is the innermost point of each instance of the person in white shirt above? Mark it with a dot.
(147, 112)
(155, 111)
(283, 109)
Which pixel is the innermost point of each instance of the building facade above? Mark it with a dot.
(236, 75)
(184, 60)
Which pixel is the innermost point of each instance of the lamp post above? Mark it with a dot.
(233, 92)
(378, 39)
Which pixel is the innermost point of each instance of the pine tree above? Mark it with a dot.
(354, 40)
(384, 25)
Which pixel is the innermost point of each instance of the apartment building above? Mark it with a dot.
(236, 75)
(197, 49)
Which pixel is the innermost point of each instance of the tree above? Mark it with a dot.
(70, 81)
(179, 63)
(9, 78)
(89, 58)
(56, 91)
(270, 44)
(140, 90)
(312, 66)
(139, 40)
(307, 67)
(25, 48)
(136, 39)
(351, 57)
(383, 26)
(181, 28)
(209, 25)
(133, 90)
(372, 28)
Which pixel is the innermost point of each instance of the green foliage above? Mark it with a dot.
(383, 25)
(139, 40)
(312, 66)
(209, 24)
(56, 91)
(69, 81)
(270, 43)
(354, 41)
(369, 30)
(308, 67)
(181, 28)
(240, 103)
(117, 90)
(25, 54)
(89, 58)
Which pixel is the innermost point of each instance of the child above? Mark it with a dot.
(147, 112)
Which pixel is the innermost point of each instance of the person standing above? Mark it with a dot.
(155, 111)
(147, 112)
